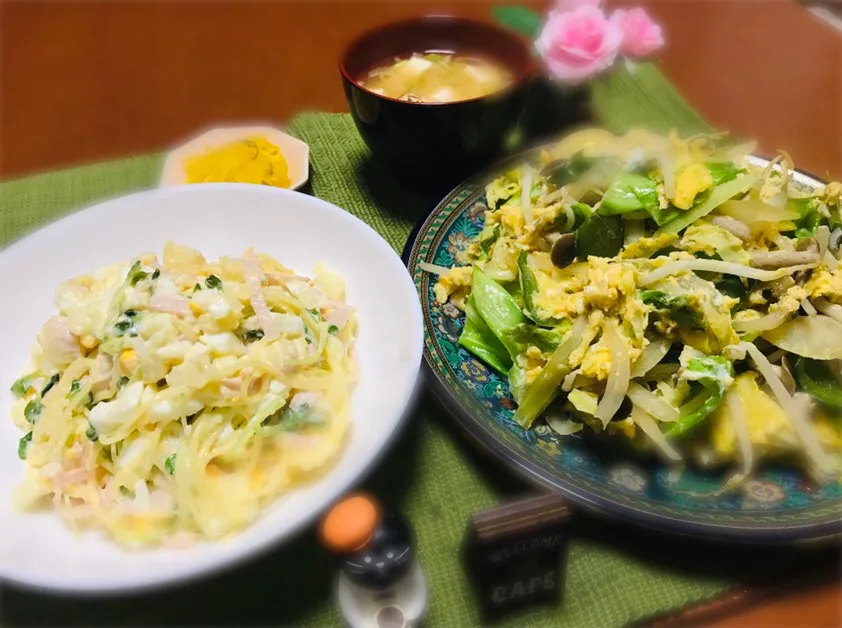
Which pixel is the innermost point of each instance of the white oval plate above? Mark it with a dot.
(218, 219)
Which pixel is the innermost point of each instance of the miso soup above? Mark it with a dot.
(437, 77)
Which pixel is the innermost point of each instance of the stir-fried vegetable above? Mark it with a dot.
(666, 291)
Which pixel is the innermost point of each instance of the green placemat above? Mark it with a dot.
(614, 577)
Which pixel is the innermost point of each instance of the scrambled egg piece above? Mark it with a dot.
(597, 361)
(690, 181)
(644, 247)
(604, 288)
(503, 187)
(608, 282)
(532, 361)
(511, 218)
(454, 285)
(559, 297)
(825, 283)
(709, 239)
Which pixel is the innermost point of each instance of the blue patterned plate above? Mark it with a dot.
(779, 504)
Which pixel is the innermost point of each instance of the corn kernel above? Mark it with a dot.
(128, 359)
(88, 341)
(195, 307)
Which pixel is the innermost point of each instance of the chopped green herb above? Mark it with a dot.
(33, 410)
(136, 274)
(92, 434)
(130, 313)
(23, 446)
(122, 382)
(213, 282)
(122, 326)
(75, 385)
(315, 314)
(196, 288)
(252, 334)
(332, 330)
(169, 464)
(50, 383)
(156, 274)
(290, 419)
(22, 385)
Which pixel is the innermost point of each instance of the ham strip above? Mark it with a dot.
(170, 304)
(254, 280)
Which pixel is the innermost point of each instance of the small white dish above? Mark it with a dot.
(39, 549)
(295, 152)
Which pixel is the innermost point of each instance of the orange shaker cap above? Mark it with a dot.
(350, 524)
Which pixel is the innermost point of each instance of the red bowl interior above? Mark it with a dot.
(441, 33)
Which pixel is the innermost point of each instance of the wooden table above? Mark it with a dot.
(92, 80)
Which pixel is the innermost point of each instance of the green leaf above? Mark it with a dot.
(540, 393)
(75, 385)
(678, 307)
(816, 379)
(497, 307)
(563, 171)
(477, 338)
(630, 193)
(581, 212)
(519, 19)
(600, 236)
(627, 193)
(213, 282)
(723, 171)
(529, 288)
(169, 464)
(715, 374)
(718, 195)
(156, 274)
(517, 382)
(488, 237)
(547, 340)
(332, 330)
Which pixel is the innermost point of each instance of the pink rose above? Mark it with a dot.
(641, 35)
(579, 44)
(565, 6)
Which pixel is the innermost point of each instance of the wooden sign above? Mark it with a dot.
(517, 553)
